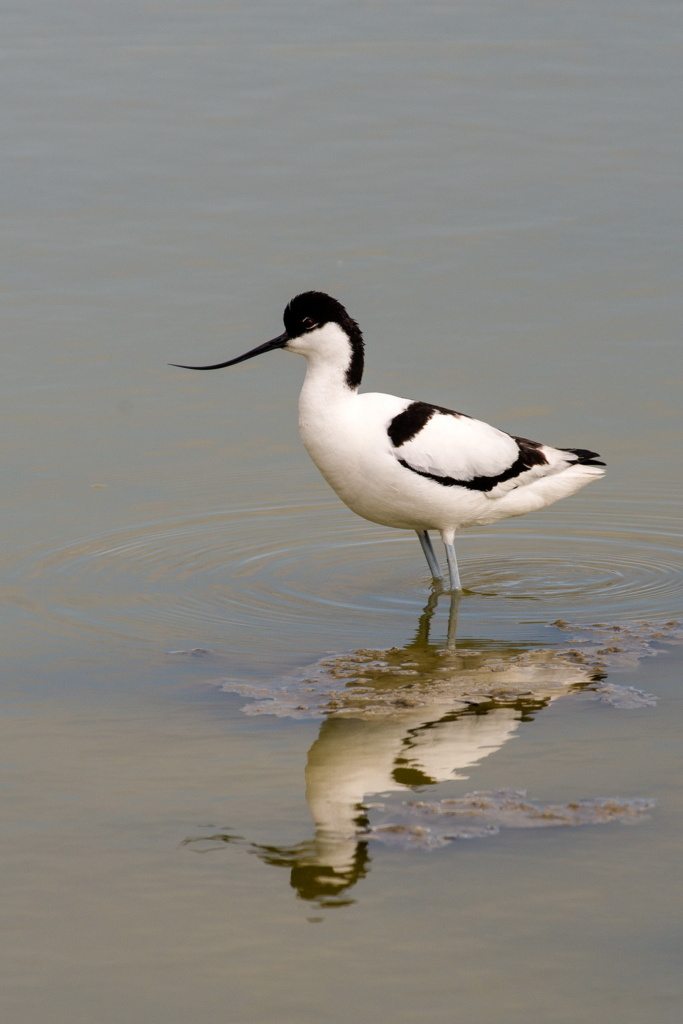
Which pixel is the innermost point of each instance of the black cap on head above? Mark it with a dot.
(315, 309)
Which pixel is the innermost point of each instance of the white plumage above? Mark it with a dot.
(405, 464)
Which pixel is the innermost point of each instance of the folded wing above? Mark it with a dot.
(455, 450)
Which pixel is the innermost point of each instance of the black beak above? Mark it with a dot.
(279, 342)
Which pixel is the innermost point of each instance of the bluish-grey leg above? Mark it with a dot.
(453, 573)
(426, 543)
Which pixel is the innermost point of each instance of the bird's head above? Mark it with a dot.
(318, 327)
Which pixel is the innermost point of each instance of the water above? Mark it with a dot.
(189, 707)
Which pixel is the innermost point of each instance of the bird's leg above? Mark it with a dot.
(453, 574)
(426, 543)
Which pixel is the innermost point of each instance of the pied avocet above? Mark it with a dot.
(410, 465)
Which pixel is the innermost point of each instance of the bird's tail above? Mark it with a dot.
(584, 457)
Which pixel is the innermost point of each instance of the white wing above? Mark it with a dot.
(455, 450)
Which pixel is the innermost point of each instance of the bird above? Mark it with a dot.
(406, 464)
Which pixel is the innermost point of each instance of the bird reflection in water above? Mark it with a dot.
(405, 719)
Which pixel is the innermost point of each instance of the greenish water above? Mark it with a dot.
(214, 674)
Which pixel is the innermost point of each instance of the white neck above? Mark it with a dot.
(325, 395)
(328, 354)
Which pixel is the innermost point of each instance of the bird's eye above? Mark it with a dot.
(308, 323)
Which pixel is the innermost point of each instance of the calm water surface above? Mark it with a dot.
(493, 191)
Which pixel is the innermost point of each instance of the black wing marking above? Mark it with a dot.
(410, 422)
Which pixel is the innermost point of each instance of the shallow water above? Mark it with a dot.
(220, 685)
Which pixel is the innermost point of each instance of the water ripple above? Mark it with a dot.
(281, 572)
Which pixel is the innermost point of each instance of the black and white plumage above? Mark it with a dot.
(405, 464)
